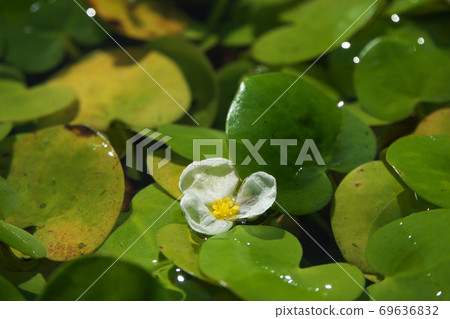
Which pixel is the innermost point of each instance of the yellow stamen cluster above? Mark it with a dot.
(225, 209)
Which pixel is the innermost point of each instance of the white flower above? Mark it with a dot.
(212, 201)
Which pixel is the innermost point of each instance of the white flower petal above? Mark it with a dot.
(210, 179)
(256, 195)
(199, 217)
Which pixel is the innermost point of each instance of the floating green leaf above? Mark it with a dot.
(124, 281)
(5, 128)
(413, 255)
(255, 260)
(365, 200)
(168, 175)
(355, 144)
(71, 186)
(46, 29)
(436, 123)
(394, 74)
(20, 104)
(118, 89)
(316, 26)
(306, 112)
(199, 74)
(151, 209)
(423, 163)
(182, 246)
(184, 138)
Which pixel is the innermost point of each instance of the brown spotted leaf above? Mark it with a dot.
(71, 186)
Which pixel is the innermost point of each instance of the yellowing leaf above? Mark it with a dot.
(110, 86)
(142, 20)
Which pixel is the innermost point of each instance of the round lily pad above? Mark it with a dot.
(394, 75)
(364, 201)
(71, 282)
(315, 26)
(412, 255)
(305, 114)
(71, 186)
(21, 104)
(110, 86)
(151, 209)
(39, 33)
(252, 260)
(423, 163)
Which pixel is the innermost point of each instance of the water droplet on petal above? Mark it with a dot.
(356, 59)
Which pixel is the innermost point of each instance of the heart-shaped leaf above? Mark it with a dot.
(71, 186)
(365, 200)
(121, 90)
(151, 209)
(394, 74)
(423, 163)
(46, 30)
(316, 24)
(20, 104)
(73, 282)
(306, 114)
(413, 255)
(261, 263)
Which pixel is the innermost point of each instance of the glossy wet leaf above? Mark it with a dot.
(21, 240)
(182, 246)
(9, 199)
(229, 78)
(183, 139)
(141, 20)
(20, 104)
(355, 144)
(110, 86)
(168, 175)
(48, 29)
(122, 282)
(413, 256)
(436, 123)
(315, 26)
(304, 112)
(423, 163)
(151, 209)
(199, 74)
(8, 292)
(71, 186)
(394, 75)
(364, 201)
(255, 260)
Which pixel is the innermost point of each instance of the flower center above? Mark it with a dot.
(225, 209)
